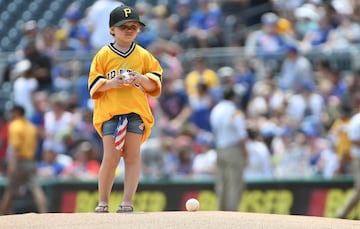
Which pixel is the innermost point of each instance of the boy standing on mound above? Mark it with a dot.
(122, 76)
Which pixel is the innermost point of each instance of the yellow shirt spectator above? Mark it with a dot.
(200, 73)
(342, 144)
(23, 138)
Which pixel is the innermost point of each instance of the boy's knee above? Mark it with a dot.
(131, 159)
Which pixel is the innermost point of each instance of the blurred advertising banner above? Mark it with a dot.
(312, 197)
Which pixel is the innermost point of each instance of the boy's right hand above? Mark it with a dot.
(118, 81)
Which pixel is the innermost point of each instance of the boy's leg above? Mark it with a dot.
(110, 161)
(132, 166)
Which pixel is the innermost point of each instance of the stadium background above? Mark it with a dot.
(52, 12)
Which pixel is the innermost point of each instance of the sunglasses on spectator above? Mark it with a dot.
(132, 27)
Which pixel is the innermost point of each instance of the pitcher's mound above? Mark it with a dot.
(173, 220)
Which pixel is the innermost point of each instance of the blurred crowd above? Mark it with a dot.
(297, 110)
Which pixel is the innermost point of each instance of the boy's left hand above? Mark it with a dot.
(135, 78)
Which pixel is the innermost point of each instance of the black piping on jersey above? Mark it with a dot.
(156, 74)
(95, 82)
(131, 49)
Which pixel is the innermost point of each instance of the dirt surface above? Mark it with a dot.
(172, 220)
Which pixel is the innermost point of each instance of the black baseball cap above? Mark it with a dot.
(123, 14)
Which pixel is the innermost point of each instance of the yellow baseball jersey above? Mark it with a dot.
(110, 62)
(23, 138)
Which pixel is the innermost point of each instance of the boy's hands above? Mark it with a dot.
(125, 79)
(130, 78)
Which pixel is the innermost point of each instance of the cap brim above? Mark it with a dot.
(120, 23)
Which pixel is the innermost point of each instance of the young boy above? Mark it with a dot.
(121, 78)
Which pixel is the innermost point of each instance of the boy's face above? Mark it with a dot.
(126, 32)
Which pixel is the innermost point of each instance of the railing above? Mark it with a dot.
(345, 60)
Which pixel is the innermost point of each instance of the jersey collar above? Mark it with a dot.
(123, 54)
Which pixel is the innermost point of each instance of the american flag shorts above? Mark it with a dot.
(120, 132)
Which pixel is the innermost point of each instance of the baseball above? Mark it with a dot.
(126, 77)
(192, 205)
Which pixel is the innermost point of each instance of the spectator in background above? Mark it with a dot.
(174, 107)
(85, 165)
(183, 15)
(328, 162)
(48, 44)
(259, 106)
(24, 85)
(346, 34)
(78, 33)
(204, 28)
(57, 120)
(338, 133)
(204, 162)
(183, 143)
(148, 35)
(30, 33)
(201, 73)
(98, 24)
(179, 20)
(286, 7)
(292, 153)
(4, 126)
(167, 53)
(315, 39)
(307, 103)
(49, 167)
(21, 167)
(259, 165)
(237, 19)
(61, 75)
(153, 153)
(296, 70)
(266, 44)
(41, 106)
(225, 77)
(201, 104)
(185, 160)
(356, 13)
(354, 136)
(244, 78)
(84, 47)
(63, 41)
(285, 28)
(160, 22)
(229, 128)
(339, 87)
(81, 88)
(41, 66)
(354, 86)
(84, 129)
(307, 19)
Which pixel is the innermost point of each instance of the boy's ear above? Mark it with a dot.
(111, 30)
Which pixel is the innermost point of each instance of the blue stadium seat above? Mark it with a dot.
(5, 44)
(27, 15)
(43, 11)
(5, 16)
